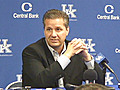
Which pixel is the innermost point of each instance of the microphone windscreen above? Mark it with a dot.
(101, 58)
(90, 74)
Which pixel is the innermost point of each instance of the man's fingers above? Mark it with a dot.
(77, 45)
(75, 41)
(78, 51)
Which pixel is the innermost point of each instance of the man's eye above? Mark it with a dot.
(49, 29)
(58, 29)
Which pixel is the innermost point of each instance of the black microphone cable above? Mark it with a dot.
(111, 70)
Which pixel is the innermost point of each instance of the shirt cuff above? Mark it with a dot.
(63, 61)
(90, 64)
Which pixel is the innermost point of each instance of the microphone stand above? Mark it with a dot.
(104, 71)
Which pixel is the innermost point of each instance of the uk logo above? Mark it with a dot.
(17, 83)
(5, 47)
(108, 79)
(90, 45)
(69, 11)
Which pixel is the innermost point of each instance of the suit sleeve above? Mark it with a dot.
(34, 71)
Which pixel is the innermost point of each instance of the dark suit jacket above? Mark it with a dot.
(40, 70)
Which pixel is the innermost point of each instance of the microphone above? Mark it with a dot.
(103, 62)
(90, 76)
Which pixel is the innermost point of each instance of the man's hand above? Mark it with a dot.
(86, 55)
(77, 46)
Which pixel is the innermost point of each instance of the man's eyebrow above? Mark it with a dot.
(48, 27)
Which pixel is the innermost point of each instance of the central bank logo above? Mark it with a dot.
(117, 50)
(27, 8)
(28, 5)
(70, 11)
(109, 10)
(5, 48)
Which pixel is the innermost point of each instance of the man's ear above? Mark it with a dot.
(68, 29)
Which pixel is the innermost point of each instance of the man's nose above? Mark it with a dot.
(54, 33)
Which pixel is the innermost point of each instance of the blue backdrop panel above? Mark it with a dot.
(96, 22)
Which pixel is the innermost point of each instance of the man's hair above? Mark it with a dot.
(54, 14)
(94, 87)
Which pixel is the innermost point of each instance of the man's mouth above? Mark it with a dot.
(54, 40)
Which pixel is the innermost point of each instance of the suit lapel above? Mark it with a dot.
(49, 57)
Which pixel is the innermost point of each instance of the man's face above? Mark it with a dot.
(55, 32)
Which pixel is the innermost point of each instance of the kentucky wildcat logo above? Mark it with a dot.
(69, 11)
(5, 47)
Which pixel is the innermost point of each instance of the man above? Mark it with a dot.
(94, 87)
(53, 61)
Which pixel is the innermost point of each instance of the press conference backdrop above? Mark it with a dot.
(97, 22)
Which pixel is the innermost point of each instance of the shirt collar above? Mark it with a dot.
(53, 51)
